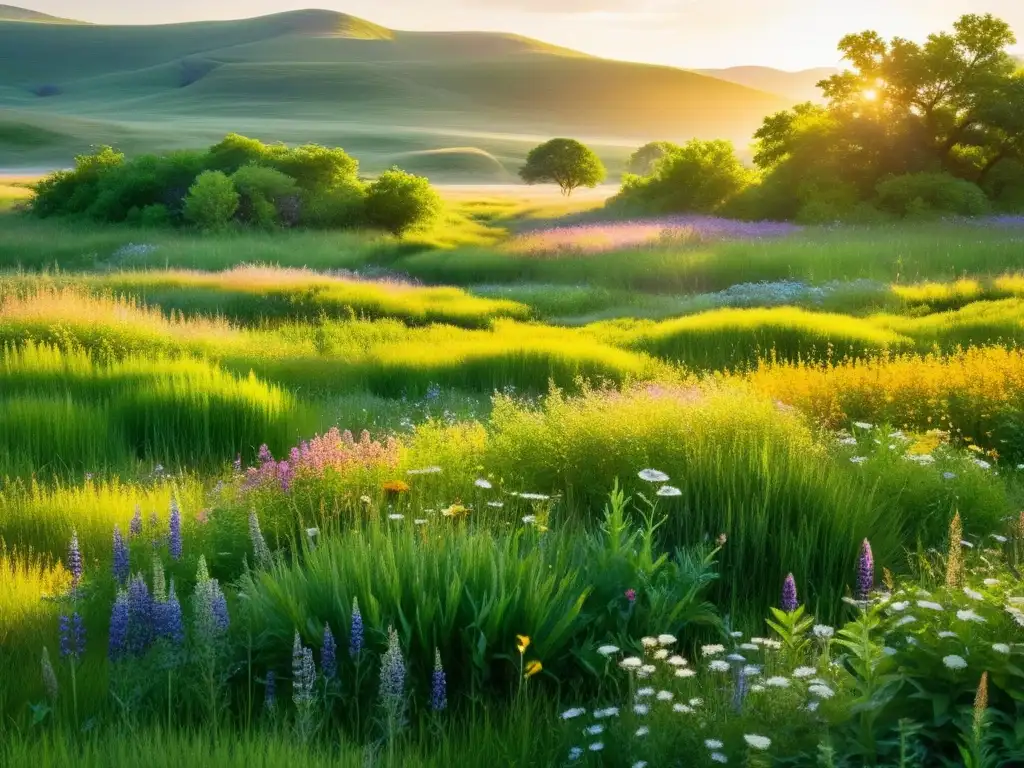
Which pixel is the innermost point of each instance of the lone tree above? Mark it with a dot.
(566, 162)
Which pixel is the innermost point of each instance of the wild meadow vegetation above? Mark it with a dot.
(502, 480)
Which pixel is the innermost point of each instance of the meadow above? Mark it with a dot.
(521, 489)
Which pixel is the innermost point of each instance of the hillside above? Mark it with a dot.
(325, 76)
(794, 86)
(12, 13)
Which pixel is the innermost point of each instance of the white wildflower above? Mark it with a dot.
(482, 483)
(900, 606)
(643, 730)
(748, 647)
(954, 662)
(664, 696)
(930, 605)
(666, 640)
(683, 709)
(823, 631)
(1001, 648)
(661, 654)
(669, 490)
(713, 744)
(908, 619)
(593, 730)
(969, 615)
(712, 650)
(649, 642)
(569, 714)
(643, 693)
(677, 661)
(751, 670)
(804, 672)
(991, 582)
(757, 742)
(597, 746)
(653, 476)
(972, 594)
(821, 691)
(719, 666)
(608, 650)
(641, 709)
(946, 634)
(757, 688)
(646, 670)
(718, 757)
(777, 682)
(575, 753)
(685, 672)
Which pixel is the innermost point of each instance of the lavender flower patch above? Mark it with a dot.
(666, 231)
(785, 292)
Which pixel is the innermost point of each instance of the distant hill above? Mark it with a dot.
(333, 78)
(796, 86)
(12, 13)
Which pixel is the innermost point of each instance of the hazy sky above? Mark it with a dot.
(790, 34)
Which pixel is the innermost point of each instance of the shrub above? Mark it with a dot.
(699, 177)
(921, 194)
(398, 201)
(317, 168)
(645, 160)
(143, 181)
(212, 201)
(262, 192)
(68, 192)
(343, 207)
(565, 162)
(236, 151)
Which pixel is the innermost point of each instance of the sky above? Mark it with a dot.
(788, 34)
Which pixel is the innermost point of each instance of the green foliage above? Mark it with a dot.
(211, 201)
(399, 202)
(69, 192)
(699, 177)
(565, 162)
(343, 207)
(921, 194)
(644, 161)
(316, 168)
(263, 192)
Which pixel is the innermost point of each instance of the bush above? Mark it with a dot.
(565, 162)
(211, 201)
(398, 201)
(317, 168)
(923, 194)
(143, 181)
(645, 160)
(69, 192)
(236, 151)
(262, 194)
(343, 207)
(700, 177)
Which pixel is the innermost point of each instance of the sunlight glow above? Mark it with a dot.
(870, 94)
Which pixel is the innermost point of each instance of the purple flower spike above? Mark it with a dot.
(119, 627)
(865, 571)
(438, 686)
(355, 638)
(72, 636)
(270, 691)
(135, 527)
(174, 542)
(789, 603)
(75, 561)
(121, 565)
(140, 616)
(329, 655)
(169, 621)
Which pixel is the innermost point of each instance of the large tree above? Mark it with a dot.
(565, 162)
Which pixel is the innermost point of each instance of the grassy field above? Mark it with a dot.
(578, 434)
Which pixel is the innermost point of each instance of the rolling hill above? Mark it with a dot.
(333, 78)
(12, 13)
(796, 86)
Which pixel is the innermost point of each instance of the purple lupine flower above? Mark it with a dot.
(140, 616)
(865, 571)
(174, 539)
(329, 655)
(119, 626)
(74, 561)
(392, 677)
(270, 692)
(72, 636)
(169, 621)
(303, 673)
(355, 637)
(260, 550)
(789, 603)
(264, 454)
(121, 566)
(135, 527)
(438, 686)
(219, 609)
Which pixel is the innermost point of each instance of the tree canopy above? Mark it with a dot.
(565, 162)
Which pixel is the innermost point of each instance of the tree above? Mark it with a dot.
(398, 201)
(645, 160)
(565, 162)
(211, 201)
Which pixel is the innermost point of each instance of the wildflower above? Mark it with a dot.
(631, 595)
(454, 510)
(118, 626)
(757, 688)
(395, 487)
(646, 670)
(813, 706)
(438, 685)
(823, 631)
(496, 504)
(522, 643)
(643, 730)
(396, 516)
(529, 519)
(863, 425)
(606, 712)
(135, 526)
(821, 691)
(140, 616)
(969, 615)
(982, 463)
(751, 670)
(641, 709)
(424, 471)
(607, 650)
(721, 540)
(945, 635)
(260, 550)
(865, 571)
(392, 677)
(167, 619)
(575, 753)
(748, 647)
(534, 496)
(930, 605)
(120, 566)
(949, 475)
(666, 640)
(631, 662)
(772, 644)
(270, 691)
(366, 500)
(355, 636)
(991, 582)
(719, 666)
(532, 668)
(858, 459)
(696, 702)
(303, 673)
(777, 682)
(677, 661)
(788, 603)
(718, 757)
(49, 677)
(597, 746)
(712, 650)
(74, 561)
(669, 491)
(900, 606)
(653, 476)
(72, 636)
(640, 764)
(801, 672)
(329, 654)
(999, 539)
(713, 744)
(972, 594)
(649, 642)
(645, 692)
(569, 714)
(594, 730)
(420, 521)
(482, 483)
(174, 536)
(888, 651)
(954, 662)
(905, 620)
(1001, 648)
(736, 635)
(664, 696)
(685, 672)
(757, 742)
(735, 657)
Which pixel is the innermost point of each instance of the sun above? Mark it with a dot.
(870, 94)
